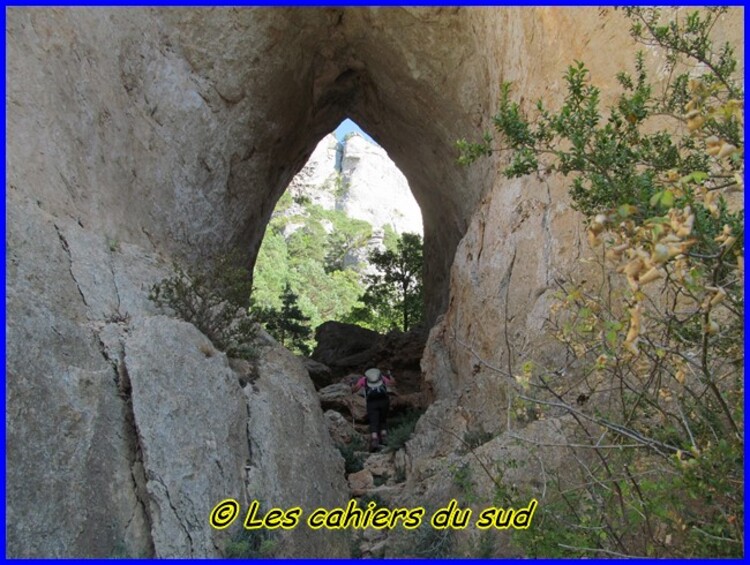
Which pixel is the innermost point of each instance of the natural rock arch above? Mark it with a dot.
(177, 139)
(192, 122)
(377, 67)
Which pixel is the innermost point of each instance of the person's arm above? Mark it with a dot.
(358, 385)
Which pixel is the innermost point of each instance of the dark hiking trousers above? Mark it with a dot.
(377, 413)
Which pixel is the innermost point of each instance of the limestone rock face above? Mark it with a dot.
(292, 458)
(318, 178)
(191, 422)
(527, 456)
(341, 431)
(375, 190)
(184, 132)
(71, 442)
(523, 235)
(357, 178)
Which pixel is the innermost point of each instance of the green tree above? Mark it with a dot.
(390, 237)
(214, 297)
(311, 261)
(288, 325)
(324, 295)
(661, 335)
(348, 236)
(271, 270)
(305, 243)
(394, 294)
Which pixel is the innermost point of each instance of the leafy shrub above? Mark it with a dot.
(215, 299)
(399, 434)
(252, 544)
(655, 346)
(475, 438)
(431, 543)
(463, 479)
(353, 454)
(368, 498)
(341, 187)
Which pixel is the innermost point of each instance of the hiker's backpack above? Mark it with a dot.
(377, 391)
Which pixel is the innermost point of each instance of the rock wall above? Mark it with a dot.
(524, 235)
(317, 179)
(138, 136)
(365, 184)
(293, 461)
(128, 425)
(522, 240)
(375, 190)
(72, 449)
(190, 417)
(183, 133)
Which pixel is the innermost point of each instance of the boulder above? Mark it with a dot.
(320, 374)
(192, 458)
(338, 343)
(293, 461)
(380, 465)
(347, 348)
(405, 402)
(360, 482)
(342, 432)
(340, 398)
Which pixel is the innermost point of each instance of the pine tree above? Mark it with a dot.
(287, 325)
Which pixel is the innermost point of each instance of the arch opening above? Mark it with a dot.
(347, 206)
(411, 104)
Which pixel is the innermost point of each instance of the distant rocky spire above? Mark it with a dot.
(358, 178)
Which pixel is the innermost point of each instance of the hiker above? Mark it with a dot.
(375, 384)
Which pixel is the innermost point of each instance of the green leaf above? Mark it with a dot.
(694, 177)
(612, 337)
(667, 199)
(699, 176)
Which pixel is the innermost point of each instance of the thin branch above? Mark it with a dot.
(595, 550)
(477, 356)
(618, 446)
(632, 434)
(705, 533)
(470, 448)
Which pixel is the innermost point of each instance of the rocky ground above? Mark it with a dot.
(377, 477)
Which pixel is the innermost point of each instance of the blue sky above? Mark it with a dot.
(348, 126)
